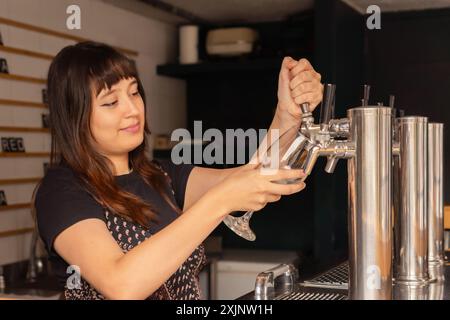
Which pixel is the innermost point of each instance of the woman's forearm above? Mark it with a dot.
(146, 267)
(203, 179)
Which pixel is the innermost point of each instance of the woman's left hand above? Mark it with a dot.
(298, 83)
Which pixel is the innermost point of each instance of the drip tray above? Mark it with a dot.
(302, 295)
(336, 278)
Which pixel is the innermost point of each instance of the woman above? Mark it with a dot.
(128, 227)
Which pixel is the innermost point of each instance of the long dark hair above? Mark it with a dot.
(73, 73)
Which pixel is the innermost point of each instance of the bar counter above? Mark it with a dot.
(333, 285)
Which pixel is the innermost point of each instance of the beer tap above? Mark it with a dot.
(321, 137)
(369, 163)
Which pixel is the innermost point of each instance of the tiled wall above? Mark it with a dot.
(156, 43)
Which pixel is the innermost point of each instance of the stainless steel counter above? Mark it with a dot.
(333, 285)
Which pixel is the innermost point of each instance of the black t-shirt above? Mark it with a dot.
(61, 202)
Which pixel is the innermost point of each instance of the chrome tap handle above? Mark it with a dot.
(327, 105)
(305, 107)
(265, 281)
(307, 118)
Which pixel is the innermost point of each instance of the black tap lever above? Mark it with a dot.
(391, 101)
(366, 95)
(327, 105)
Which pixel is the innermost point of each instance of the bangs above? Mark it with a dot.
(108, 68)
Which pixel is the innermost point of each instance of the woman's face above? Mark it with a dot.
(117, 118)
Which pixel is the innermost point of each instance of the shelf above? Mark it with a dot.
(22, 78)
(184, 71)
(15, 206)
(24, 129)
(16, 232)
(24, 154)
(21, 103)
(25, 52)
(20, 180)
(50, 32)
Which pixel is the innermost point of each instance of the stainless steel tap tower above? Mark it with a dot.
(435, 196)
(418, 201)
(372, 139)
(410, 209)
(370, 203)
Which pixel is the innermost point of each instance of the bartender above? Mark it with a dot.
(117, 225)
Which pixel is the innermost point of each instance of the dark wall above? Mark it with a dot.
(338, 56)
(410, 57)
(243, 98)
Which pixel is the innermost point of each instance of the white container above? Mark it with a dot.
(188, 44)
(231, 41)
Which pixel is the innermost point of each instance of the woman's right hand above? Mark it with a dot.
(249, 188)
